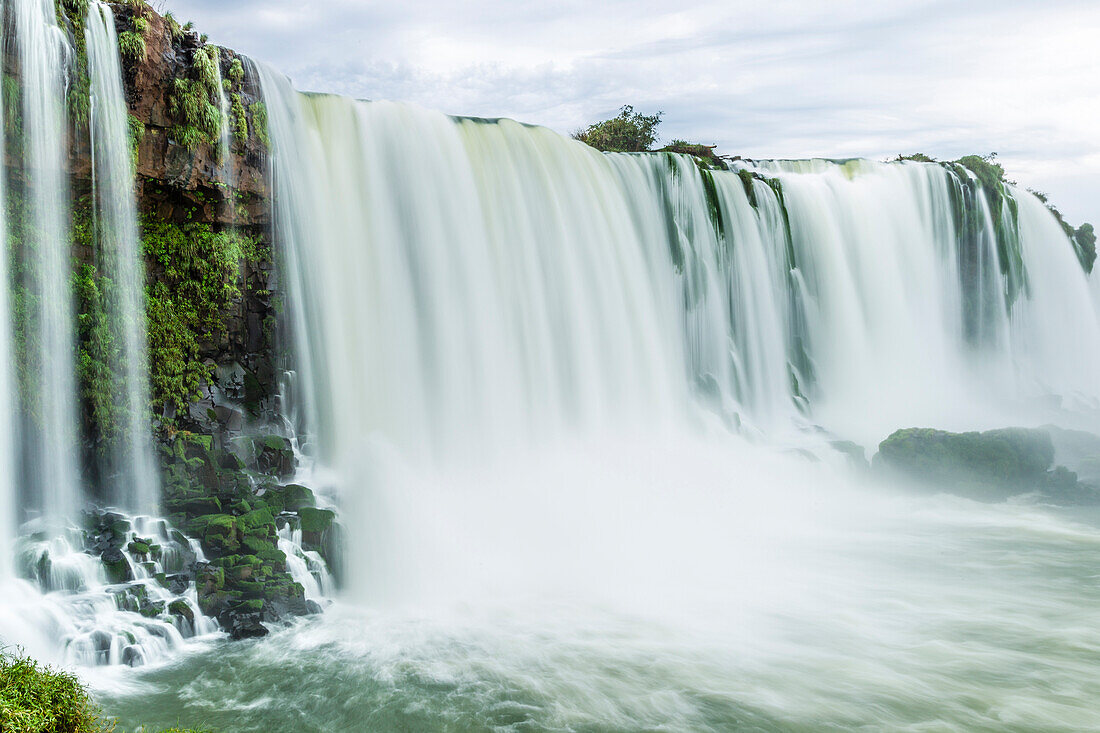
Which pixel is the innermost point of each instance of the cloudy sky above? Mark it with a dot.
(778, 78)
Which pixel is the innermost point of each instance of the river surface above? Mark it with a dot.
(824, 603)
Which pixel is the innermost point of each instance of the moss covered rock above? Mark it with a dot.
(989, 466)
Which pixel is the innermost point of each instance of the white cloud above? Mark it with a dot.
(786, 78)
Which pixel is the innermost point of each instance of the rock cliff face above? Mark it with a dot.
(198, 131)
(216, 178)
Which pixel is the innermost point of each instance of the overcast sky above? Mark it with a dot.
(771, 78)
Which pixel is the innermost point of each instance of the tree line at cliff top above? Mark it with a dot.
(633, 132)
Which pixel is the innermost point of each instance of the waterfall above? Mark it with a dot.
(225, 137)
(50, 454)
(463, 287)
(133, 474)
(9, 499)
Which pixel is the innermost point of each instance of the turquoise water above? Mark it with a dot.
(956, 616)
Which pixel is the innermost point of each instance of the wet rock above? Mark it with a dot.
(857, 456)
(182, 609)
(989, 466)
(243, 625)
(117, 566)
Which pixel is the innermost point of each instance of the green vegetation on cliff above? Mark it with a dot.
(991, 175)
(1083, 237)
(196, 279)
(194, 102)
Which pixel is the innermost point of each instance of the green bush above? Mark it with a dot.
(628, 132)
(175, 30)
(259, 123)
(36, 699)
(194, 102)
(916, 158)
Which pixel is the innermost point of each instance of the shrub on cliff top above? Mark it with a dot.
(627, 132)
(916, 158)
(986, 168)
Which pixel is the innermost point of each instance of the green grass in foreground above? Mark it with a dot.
(38, 699)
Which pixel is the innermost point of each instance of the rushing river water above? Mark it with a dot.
(701, 603)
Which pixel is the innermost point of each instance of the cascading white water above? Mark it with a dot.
(51, 449)
(9, 499)
(225, 137)
(84, 618)
(463, 289)
(134, 483)
(86, 594)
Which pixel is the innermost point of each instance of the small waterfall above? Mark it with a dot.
(50, 454)
(305, 566)
(133, 482)
(9, 497)
(225, 137)
(130, 608)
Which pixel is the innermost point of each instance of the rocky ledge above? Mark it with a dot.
(990, 466)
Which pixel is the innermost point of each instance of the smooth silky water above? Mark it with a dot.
(576, 411)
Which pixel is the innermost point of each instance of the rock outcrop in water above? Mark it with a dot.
(989, 466)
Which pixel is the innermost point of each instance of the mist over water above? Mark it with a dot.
(577, 411)
(783, 598)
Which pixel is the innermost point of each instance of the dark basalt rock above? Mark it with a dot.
(243, 625)
(230, 499)
(116, 565)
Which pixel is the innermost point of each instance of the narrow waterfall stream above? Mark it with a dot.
(132, 471)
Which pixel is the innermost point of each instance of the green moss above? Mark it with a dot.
(13, 110)
(98, 349)
(315, 521)
(747, 182)
(714, 203)
(1085, 240)
(187, 302)
(71, 15)
(71, 10)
